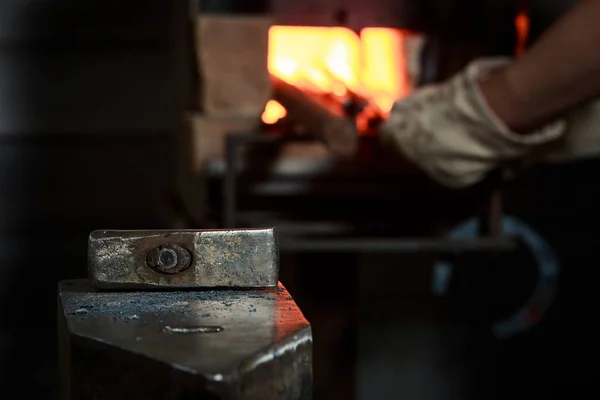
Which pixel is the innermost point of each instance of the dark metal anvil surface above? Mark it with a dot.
(210, 344)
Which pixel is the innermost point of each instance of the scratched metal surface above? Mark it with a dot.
(258, 342)
(244, 258)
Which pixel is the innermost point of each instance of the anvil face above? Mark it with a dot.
(251, 344)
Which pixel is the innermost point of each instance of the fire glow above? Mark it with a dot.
(334, 60)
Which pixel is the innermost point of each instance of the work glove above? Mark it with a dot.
(449, 132)
(581, 139)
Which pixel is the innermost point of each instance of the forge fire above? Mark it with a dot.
(336, 62)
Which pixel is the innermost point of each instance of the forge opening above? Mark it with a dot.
(334, 61)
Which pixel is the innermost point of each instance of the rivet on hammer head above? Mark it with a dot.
(169, 259)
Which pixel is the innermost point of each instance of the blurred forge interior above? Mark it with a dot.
(116, 114)
(379, 331)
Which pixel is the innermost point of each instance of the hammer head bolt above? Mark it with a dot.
(169, 259)
(166, 259)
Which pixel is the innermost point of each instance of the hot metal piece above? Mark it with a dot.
(183, 259)
(217, 344)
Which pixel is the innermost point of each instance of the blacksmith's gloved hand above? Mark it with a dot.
(450, 133)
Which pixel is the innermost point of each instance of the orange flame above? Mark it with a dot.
(522, 25)
(334, 59)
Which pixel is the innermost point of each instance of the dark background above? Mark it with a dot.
(91, 99)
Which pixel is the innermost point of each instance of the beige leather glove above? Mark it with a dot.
(581, 140)
(451, 134)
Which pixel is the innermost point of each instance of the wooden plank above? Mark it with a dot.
(232, 62)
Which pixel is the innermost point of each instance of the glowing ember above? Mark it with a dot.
(336, 60)
(383, 65)
(273, 112)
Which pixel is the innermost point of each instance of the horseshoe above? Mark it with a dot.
(548, 268)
